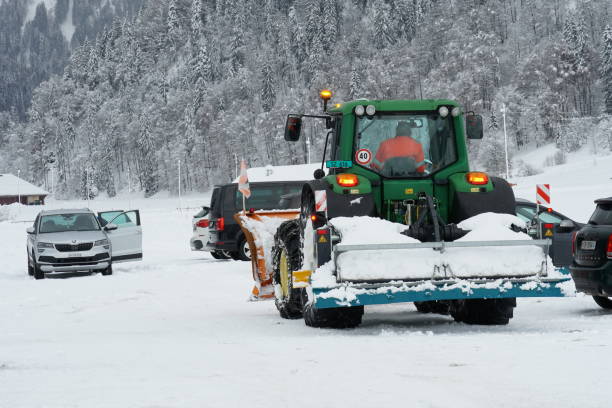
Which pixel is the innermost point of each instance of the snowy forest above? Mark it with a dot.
(133, 90)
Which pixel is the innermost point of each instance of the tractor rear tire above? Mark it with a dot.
(286, 258)
(335, 318)
(603, 302)
(500, 200)
(483, 311)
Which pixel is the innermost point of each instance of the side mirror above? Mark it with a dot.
(319, 174)
(293, 128)
(566, 226)
(30, 230)
(473, 126)
(110, 227)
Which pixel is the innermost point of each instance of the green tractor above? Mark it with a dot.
(404, 161)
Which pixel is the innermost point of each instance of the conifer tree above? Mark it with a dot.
(606, 69)
(268, 94)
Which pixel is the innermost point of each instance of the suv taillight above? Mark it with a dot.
(609, 249)
(203, 223)
(574, 242)
(220, 224)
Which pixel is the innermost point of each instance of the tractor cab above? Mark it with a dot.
(398, 152)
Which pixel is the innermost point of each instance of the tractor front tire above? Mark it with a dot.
(483, 311)
(603, 302)
(432, 306)
(335, 318)
(286, 258)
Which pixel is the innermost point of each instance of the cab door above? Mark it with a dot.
(126, 240)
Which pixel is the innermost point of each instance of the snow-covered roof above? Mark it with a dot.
(11, 185)
(296, 172)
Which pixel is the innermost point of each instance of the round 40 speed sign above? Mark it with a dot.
(363, 157)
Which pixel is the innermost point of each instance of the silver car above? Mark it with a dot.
(78, 241)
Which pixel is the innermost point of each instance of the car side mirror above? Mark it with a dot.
(110, 227)
(566, 226)
(473, 126)
(30, 230)
(293, 128)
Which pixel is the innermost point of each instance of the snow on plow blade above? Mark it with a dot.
(442, 276)
(259, 228)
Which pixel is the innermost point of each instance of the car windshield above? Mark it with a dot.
(602, 215)
(268, 197)
(68, 222)
(528, 213)
(405, 144)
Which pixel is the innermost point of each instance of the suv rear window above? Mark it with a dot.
(215, 204)
(268, 197)
(602, 215)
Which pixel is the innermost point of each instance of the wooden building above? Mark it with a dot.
(13, 189)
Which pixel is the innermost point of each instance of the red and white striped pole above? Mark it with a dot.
(542, 197)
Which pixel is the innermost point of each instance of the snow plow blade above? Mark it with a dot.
(347, 294)
(443, 284)
(251, 224)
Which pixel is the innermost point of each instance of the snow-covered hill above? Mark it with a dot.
(574, 185)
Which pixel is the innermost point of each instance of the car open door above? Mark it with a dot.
(126, 240)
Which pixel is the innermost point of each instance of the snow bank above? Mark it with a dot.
(19, 212)
(403, 264)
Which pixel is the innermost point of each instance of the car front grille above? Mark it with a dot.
(84, 246)
(83, 260)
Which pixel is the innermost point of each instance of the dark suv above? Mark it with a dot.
(225, 233)
(592, 247)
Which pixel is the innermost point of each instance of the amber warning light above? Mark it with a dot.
(347, 180)
(477, 178)
(326, 94)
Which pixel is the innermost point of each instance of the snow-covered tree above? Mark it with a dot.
(606, 68)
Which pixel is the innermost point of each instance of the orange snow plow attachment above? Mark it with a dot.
(259, 228)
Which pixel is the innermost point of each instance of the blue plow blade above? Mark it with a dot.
(361, 294)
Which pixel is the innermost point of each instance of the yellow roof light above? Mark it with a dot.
(326, 94)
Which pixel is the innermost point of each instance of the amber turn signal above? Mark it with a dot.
(347, 180)
(477, 178)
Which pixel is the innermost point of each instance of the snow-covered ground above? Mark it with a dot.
(176, 330)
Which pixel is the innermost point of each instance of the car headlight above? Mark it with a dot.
(102, 242)
(43, 245)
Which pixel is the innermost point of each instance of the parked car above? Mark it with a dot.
(201, 235)
(554, 225)
(225, 233)
(199, 239)
(592, 245)
(78, 241)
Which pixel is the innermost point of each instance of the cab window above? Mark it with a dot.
(406, 144)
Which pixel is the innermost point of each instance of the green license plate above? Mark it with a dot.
(338, 164)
